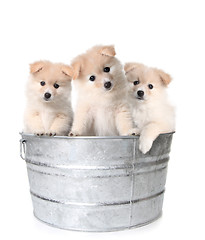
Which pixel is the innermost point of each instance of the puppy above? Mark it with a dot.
(151, 111)
(48, 91)
(102, 107)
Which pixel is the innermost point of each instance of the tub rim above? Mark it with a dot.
(86, 137)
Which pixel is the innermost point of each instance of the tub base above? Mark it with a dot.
(104, 230)
(98, 218)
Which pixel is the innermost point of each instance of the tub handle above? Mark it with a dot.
(23, 149)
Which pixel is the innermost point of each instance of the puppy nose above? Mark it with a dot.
(47, 95)
(107, 85)
(140, 93)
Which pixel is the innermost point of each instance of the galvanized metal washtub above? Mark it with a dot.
(96, 183)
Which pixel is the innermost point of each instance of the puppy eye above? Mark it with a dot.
(42, 83)
(92, 78)
(150, 86)
(56, 85)
(106, 69)
(136, 82)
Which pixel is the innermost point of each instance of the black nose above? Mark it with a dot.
(47, 95)
(140, 93)
(107, 85)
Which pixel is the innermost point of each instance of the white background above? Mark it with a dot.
(164, 34)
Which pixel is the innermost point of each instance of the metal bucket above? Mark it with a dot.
(96, 183)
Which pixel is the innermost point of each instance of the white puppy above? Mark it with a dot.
(48, 91)
(151, 110)
(102, 107)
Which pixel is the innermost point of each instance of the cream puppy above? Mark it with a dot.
(102, 107)
(151, 110)
(48, 91)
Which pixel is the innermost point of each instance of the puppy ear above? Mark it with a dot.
(36, 67)
(131, 66)
(108, 51)
(76, 69)
(165, 78)
(67, 70)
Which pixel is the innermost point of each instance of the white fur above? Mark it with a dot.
(53, 117)
(153, 115)
(100, 111)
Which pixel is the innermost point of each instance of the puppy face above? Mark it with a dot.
(49, 81)
(145, 82)
(98, 70)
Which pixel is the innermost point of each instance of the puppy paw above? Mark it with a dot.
(145, 145)
(51, 134)
(133, 132)
(73, 134)
(39, 133)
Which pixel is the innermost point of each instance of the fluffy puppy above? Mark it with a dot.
(151, 110)
(102, 108)
(48, 91)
